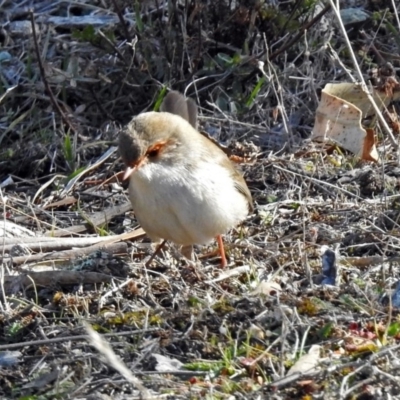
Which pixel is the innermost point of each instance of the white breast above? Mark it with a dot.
(186, 207)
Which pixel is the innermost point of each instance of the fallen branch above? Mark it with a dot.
(45, 244)
(94, 220)
(113, 248)
(75, 338)
(51, 279)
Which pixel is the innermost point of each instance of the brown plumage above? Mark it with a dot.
(182, 187)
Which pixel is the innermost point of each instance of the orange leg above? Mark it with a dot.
(224, 263)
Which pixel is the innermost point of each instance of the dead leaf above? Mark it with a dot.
(339, 119)
(256, 332)
(307, 363)
(167, 364)
(353, 93)
(266, 288)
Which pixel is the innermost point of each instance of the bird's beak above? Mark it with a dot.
(132, 168)
(128, 173)
(155, 148)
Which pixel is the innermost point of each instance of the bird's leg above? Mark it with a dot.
(224, 263)
(192, 262)
(156, 251)
(189, 255)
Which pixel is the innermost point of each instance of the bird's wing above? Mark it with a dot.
(240, 183)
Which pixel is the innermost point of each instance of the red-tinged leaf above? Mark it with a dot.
(354, 326)
(247, 361)
(193, 380)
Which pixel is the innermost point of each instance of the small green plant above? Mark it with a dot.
(395, 32)
(75, 173)
(255, 91)
(266, 217)
(194, 301)
(102, 230)
(160, 99)
(138, 17)
(90, 35)
(326, 331)
(69, 152)
(13, 330)
(393, 329)
(226, 61)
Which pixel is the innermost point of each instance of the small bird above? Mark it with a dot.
(183, 187)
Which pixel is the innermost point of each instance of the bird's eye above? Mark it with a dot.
(154, 150)
(153, 153)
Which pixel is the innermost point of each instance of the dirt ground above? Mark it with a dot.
(308, 305)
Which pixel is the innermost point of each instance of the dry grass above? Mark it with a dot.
(257, 71)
